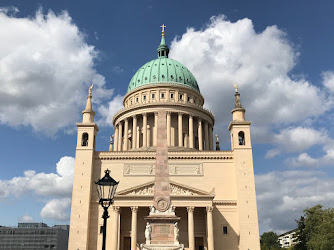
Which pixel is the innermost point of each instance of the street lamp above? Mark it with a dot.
(106, 189)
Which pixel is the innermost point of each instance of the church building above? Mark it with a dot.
(177, 189)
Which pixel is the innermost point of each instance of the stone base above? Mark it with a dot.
(161, 247)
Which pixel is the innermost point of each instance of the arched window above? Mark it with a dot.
(84, 141)
(241, 136)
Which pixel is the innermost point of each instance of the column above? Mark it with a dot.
(210, 138)
(191, 234)
(116, 138)
(134, 132)
(134, 228)
(191, 131)
(144, 129)
(148, 134)
(137, 140)
(200, 136)
(155, 134)
(114, 228)
(180, 130)
(126, 130)
(210, 228)
(168, 128)
(120, 136)
(206, 135)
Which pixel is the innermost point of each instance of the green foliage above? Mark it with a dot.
(269, 241)
(316, 229)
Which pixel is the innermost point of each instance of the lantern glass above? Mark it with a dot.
(106, 189)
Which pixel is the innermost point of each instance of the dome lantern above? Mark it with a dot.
(163, 49)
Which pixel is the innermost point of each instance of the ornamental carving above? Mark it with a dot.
(148, 190)
(178, 190)
(137, 169)
(186, 169)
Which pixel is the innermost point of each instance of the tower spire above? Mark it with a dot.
(163, 49)
(238, 112)
(88, 113)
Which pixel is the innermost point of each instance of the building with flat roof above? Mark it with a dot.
(287, 239)
(34, 236)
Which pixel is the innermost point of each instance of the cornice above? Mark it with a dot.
(164, 105)
(162, 85)
(236, 123)
(142, 155)
(225, 202)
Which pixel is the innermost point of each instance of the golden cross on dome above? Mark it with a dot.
(163, 29)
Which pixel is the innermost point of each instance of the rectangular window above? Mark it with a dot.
(137, 99)
(153, 96)
(144, 97)
(224, 229)
(181, 97)
(171, 96)
(162, 96)
(188, 99)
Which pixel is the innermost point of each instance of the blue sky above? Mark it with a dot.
(279, 52)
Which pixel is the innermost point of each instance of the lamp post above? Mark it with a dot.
(106, 189)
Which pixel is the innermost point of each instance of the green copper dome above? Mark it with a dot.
(163, 70)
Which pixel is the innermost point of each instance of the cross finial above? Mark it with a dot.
(163, 29)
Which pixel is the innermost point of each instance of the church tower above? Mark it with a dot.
(243, 163)
(82, 183)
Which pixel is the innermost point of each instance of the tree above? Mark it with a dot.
(269, 240)
(316, 229)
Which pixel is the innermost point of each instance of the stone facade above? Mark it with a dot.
(162, 153)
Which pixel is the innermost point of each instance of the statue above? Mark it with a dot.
(217, 138)
(148, 231)
(176, 233)
(90, 90)
(171, 209)
(111, 142)
(152, 209)
(236, 88)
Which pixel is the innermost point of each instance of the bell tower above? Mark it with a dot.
(243, 164)
(82, 181)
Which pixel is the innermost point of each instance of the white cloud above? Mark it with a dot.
(52, 184)
(57, 209)
(26, 218)
(297, 139)
(224, 53)
(46, 67)
(328, 80)
(303, 160)
(282, 196)
(108, 111)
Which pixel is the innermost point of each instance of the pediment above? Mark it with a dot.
(176, 189)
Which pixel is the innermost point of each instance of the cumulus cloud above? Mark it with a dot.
(57, 209)
(328, 80)
(224, 53)
(297, 139)
(282, 196)
(26, 218)
(108, 111)
(46, 67)
(52, 184)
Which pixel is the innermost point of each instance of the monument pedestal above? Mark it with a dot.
(164, 234)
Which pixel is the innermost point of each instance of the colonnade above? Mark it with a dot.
(126, 138)
(191, 228)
